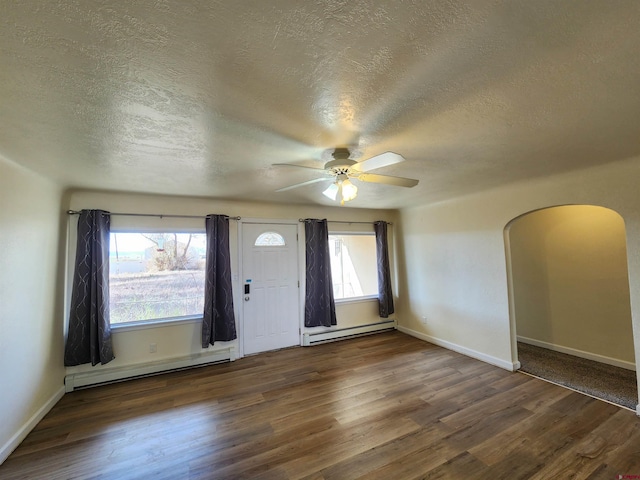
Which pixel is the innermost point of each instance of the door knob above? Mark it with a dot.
(246, 299)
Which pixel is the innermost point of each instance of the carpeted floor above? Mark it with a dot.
(614, 384)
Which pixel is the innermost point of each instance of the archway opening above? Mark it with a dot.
(569, 299)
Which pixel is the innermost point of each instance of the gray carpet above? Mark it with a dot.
(614, 384)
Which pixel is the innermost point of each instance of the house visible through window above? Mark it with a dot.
(353, 265)
(155, 276)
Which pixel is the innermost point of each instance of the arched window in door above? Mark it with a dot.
(270, 239)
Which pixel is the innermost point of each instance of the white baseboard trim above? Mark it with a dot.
(106, 375)
(20, 435)
(578, 353)
(498, 362)
(315, 338)
(638, 410)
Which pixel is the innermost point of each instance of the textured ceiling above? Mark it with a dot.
(201, 97)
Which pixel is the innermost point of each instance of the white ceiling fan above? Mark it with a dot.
(342, 169)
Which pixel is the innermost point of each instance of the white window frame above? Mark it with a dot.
(362, 298)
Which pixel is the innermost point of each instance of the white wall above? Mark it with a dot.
(452, 255)
(131, 347)
(570, 281)
(31, 342)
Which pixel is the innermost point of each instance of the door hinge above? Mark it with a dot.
(298, 283)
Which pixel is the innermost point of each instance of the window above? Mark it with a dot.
(270, 239)
(353, 265)
(156, 276)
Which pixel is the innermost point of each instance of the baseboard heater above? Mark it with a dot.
(309, 339)
(74, 381)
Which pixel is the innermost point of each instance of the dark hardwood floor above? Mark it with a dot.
(386, 406)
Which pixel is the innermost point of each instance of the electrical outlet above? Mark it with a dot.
(153, 348)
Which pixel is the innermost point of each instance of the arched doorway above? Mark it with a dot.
(569, 294)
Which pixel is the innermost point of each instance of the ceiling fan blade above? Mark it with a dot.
(308, 182)
(297, 166)
(383, 160)
(387, 180)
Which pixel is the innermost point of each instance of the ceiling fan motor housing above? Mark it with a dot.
(341, 162)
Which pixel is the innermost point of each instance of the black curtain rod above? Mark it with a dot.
(344, 221)
(159, 215)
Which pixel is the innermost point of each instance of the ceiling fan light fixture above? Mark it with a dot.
(349, 190)
(331, 191)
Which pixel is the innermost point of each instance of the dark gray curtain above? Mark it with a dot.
(319, 305)
(218, 322)
(89, 337)
(385, 296)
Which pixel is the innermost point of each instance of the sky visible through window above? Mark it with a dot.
(137, 243)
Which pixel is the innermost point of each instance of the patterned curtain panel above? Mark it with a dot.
(89, 338)
(319, 305)
(218, 322)
(385, 296)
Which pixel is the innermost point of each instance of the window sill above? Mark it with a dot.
(368, 298)
(147, 324)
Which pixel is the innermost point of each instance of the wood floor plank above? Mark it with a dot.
(379, 407)
(389, 457)
(596, 446)
(519, 436)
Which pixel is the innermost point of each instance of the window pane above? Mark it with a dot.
(156, 275)
(353, 265)
(269, 239)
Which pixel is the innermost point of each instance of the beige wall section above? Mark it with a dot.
(452, 259)
(31, 343)
(570, 280)
(132, 347)
(452, 277)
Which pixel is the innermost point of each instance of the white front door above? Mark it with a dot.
(269, 287)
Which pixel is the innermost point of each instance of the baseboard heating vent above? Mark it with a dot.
(75, 381)
(309, 339)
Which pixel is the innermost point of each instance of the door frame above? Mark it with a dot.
(511, 286)
(240, 282)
